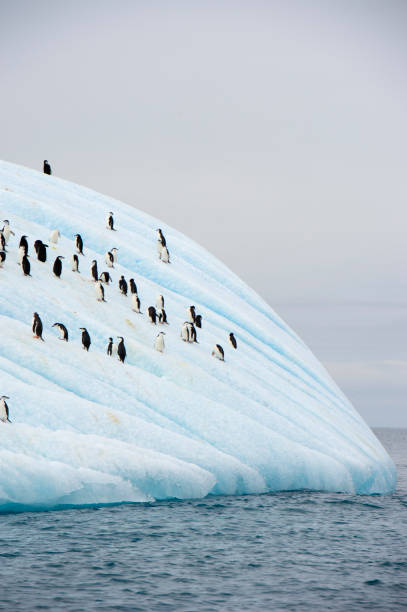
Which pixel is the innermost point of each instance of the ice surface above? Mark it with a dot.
(88, 429)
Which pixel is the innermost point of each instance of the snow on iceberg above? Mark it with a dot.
(179, 424)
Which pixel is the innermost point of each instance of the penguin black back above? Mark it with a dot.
(133, 286)
(121, 350)
(94, 270)
(85, 338)
(232, 340)
(152, 313)
(79, 243)
(42, 252)
(57, 267)
(123, 285)
(47, 167)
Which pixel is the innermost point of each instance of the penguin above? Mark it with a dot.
(4, 411)
(23, 243)
(85, 339)
(79, 243)
(94, 270)
(63, 331)
(123, 285)
(152, 315)
(75, 263)
(100, 292)
(37, 327)
(165, 256)
(187, 332)
(133, 286)
(47, 167)
(2, 258)
(232, 340)
(121, 350)
(135, 303)
(42, 252)
(109, 259)
(162, 316)
(218, 352)
(105, 278)
(159, 343)
(110, 222)
(160, 302)
(26, 266)
(54, 236)
(6, 231)
(110, 347)
(198, 321)
(191, 314)
(57, 267)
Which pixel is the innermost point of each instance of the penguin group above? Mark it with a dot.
(156, 314)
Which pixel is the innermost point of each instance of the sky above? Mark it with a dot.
(272, 132)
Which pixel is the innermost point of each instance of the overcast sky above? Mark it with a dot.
(274, 133)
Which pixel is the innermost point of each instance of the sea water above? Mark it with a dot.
(282, 551)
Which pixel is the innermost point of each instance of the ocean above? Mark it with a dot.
(281, 551)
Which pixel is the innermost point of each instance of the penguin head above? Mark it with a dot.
(94, 261)
(110, 339)
(4, 397)
(6, 221)
(60, 257)
(120, 337)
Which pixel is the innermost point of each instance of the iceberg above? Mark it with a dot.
(87, 429)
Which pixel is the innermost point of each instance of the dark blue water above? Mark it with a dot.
(285, 551)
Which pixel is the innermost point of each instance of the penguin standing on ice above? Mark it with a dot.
(4, 411)
(55, 236)
(218, 352)
(94, 270)
(79, 243)
(26, 266)
(123, 285)
(135, 303)
(2, 258)
(75, 263)
(133, 286)
(6, 231)
(109, 259)
(121, 349)
(85, 339)
(47, 167)
(57, 267)
(100, 292)
(159, 343)
(110, 347)
(41, 250)
(152, 314)
(110, 222)
(162, 316)
(105, 278)
(63, 331)
(188, 332)
(37, 327)
(232, 340)
(23, 244)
